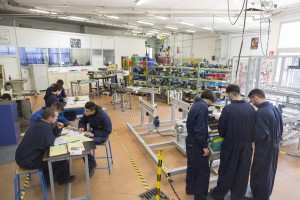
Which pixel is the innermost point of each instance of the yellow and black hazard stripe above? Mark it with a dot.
(159, 166)
(25, 186)
(131, 160)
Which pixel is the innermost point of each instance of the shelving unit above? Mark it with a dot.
(191, 79)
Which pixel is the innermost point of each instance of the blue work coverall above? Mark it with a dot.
(101, 127)
(198, 171)
(267, 135)
(29, 155)
(236, 126)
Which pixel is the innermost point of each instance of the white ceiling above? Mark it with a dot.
(202, 13)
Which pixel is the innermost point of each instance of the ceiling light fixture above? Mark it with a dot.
(140, 2)
(76, 18)
(171, 27)
(207, 28)
(186, 23)
(142, 22)
(166, 33)
(154, 31)
(190, 31)
(43, 11)
(161, 17)
(136, 32)
(112, 17)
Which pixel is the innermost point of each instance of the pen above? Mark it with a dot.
(74, 141)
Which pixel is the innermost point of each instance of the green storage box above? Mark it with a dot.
(216, 143)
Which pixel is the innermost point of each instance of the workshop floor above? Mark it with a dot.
(124, 182)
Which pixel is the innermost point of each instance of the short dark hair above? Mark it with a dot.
(57, 106)
(90, 105)
(208, 94)
(6, 96)
(55, 87)
(218, 95)
(257, 92)
(60, 82)
(234, 89)
(48, 112)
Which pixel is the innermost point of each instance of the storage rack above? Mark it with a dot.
(179, 77)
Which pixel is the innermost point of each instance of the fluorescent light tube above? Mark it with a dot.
(166, 33)
(140, 2)
(186, 23)
(171, 27)
(112, 17)
(153, 31)
(160, 17)
(190, 31)
(142, 22)
(136, 31)
(43, 11)
(207, 28)
(76, 18)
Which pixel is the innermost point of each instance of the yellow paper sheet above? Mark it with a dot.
(72, 138)
(58, 150)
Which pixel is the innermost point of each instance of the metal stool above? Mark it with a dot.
(109, 157)
(21, 171)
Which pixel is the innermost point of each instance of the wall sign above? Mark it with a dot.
(254, 43)
(75, 43)
(4, 36)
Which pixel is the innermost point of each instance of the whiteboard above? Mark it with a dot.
(11, 67)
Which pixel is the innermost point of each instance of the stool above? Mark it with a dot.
(21, 171)
(109, 157)
(123, 98)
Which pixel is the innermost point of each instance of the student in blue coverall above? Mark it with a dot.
(62, 96)
(267, 135)
(39, 137)
(236, 126)
(198, 171)
(51, 95)
(100, 125)
(60, 119)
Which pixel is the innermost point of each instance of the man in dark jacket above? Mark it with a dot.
(37, 116)
(267, 135)
(37, 139)
(51, 95)
(62, 96)
(236, 126)
(198, 171)
(100, 125)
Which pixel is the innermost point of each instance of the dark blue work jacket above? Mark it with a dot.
(197, 124)
(100, 124)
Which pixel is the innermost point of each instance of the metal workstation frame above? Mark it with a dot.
(151, 110)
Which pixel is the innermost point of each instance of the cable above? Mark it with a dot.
(164, 134)
(238, 14)
(269, 22)
(239, 58)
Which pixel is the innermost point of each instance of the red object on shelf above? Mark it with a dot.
(143, 63)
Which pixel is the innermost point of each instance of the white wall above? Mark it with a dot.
(235, 44)
(24, 37)
(128, 46)
(192, 45)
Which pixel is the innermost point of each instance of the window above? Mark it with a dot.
(75, 57)
(7, 51)
(289, 35)
(33, 56)
(54, 59)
